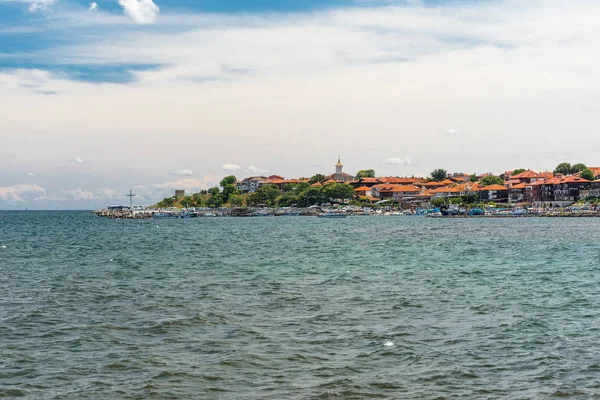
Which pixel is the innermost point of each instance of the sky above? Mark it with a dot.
(97, 98)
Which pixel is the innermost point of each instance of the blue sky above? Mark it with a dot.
(157, 95)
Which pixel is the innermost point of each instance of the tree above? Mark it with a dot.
(214, 191)
(188, 201)
(236, 200)
(228, 180)
(578, 168)
(287, 199)
(215, 200)
(492, 180)
(311, 196)
(563, 168)
(439, 175)
(338, 191)
(166, 202)
(587, 174)
(470, 198)
(438, 202)
(200, 200)
(316, 178)
(266, 194)
(228, 190)
(365, 173)
(473, 178)
(518, 171)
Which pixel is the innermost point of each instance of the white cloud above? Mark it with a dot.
(22, 193)
(105, 193)
(140, 11)
(79, 160)
(78, 194)
(186, 183)
(183, 172)
(230, 167)
(37, 5)
(256, 171)
(32, 174)
(397, 161)
(93, 6)
(452, 132)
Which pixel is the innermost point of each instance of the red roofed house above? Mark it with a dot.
(569, 188)
(362, 191)
(496, 193)
(405, 192)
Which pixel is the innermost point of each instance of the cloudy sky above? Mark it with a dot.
(100, 97)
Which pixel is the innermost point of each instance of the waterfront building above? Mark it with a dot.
(495, 193)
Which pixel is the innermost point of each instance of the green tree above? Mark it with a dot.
(199, 200)
(492, 180)
(228, 180)
(287, 199)
(563, 168)
(473, 178)
(470, 198)
(438, 202)
(311, 196)
(214, 191)
(215, 201)
(518, 171)
(236, 200)
(578, 168)
(316, 178)
(228, 190)
(266, 194)
(338, 191)
(587, 174)
(365, 173)
(439, 175)
(166, 202)
(188, 201)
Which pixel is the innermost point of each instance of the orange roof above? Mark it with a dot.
(426, 193)
(369, 180)
(519, 186)
(447, 182)
(316, 184)
(444, 189)
(432, 184)
(406, 188)
(493, 187)
(573, 179)
(362, 189)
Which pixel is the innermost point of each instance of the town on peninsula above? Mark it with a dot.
(569, 190)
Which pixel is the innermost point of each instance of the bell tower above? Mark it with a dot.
(339, 166)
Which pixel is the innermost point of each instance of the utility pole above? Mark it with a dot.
(131, 196)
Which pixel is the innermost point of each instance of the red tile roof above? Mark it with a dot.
(493, 187)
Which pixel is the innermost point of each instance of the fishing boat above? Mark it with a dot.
(331, 215)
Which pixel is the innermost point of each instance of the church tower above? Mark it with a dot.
(338, 167)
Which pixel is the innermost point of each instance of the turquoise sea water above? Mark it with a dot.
(298, 308)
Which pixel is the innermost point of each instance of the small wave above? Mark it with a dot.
(12, 393)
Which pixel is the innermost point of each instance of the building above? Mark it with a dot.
(340, 175)
(495, 193)
(251, 184)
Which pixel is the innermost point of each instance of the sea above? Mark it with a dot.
(399, 307)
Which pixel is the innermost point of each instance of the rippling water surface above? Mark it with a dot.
(298, 308)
